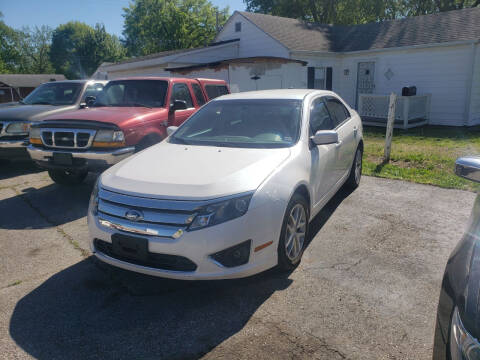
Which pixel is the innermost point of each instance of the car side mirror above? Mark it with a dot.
(325, 137)
(178, 105)
(468, 167)
(90, 100)
(171, 130)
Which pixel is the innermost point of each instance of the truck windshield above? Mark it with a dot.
(258, 123)
(144, 93)
(54, 94)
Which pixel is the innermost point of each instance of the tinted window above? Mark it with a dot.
(337, 110)
(93, 90)
(149, 93)
(214, 91)
(198, 94)
(55, 94)
(243, 123)
(319, 116)
(181, 92)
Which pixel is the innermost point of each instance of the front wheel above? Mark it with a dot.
(294, 233)
(356, 171)
(67, 177)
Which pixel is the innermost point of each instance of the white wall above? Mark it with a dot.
(440, 71)
(475, 92)
(253, 41)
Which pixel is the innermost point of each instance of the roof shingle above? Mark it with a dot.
(449, 26)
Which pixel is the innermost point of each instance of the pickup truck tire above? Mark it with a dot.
(67, 177)
(293, 237)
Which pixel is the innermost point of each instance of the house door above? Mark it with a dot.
(365, 79)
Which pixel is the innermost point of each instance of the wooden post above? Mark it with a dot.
(390, 123)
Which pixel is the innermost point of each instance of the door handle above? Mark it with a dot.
(355, 130)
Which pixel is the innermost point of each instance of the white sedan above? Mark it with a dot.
(230, 193)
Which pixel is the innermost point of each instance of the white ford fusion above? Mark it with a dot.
(230, 193)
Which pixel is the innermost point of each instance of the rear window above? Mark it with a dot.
(214, 91)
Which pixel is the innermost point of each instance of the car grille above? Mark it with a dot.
(68, 138)
(154, 260)
(145, 216)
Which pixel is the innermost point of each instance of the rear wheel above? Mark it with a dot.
(67, 177)
(356, 171)
(294, 233)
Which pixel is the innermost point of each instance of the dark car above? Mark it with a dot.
(457, 330)
(46, 100)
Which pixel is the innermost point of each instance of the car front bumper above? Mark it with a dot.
(261, 225)
(88, 160)
(13, 149)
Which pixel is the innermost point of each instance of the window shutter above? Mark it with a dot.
(311, 78)
(328, 80)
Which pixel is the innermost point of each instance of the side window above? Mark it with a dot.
(337, 110)
(93, 90)
(180, 92)
(319, 116)
(198, 94)
(214, 91)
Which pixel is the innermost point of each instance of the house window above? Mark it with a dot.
(320, 78)
(238, 27)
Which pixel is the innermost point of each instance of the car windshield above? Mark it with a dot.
(143, 93)
(54, 94)
(261, 123)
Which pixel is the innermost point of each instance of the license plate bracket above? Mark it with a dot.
(130, 247)
(62, 158)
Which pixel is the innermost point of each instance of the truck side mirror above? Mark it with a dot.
(90, 100)
(178, 105)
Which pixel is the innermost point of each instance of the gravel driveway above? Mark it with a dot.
(367, 286)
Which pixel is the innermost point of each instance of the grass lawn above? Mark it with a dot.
(424, 155)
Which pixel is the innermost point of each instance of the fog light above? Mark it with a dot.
(233, 256)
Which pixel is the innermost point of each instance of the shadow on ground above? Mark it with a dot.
(53, 205)
(12, 169)
(92, 310)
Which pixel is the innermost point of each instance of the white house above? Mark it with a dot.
(439, 54)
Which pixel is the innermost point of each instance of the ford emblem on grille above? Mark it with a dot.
(134, 215)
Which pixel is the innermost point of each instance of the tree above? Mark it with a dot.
(9, 54)
(353, 11)
(34, 48)
(159, 25)
(78, 49)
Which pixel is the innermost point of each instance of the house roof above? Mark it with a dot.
(227, 62)
(168, 53)
(29, 80)
(449, 26)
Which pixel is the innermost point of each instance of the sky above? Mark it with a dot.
(18, 13)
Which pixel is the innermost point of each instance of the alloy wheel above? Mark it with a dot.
(296, 231)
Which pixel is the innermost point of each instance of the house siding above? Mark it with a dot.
(253, 41)
(475, 92)
(442, 72)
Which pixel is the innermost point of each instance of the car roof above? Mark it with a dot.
(175, 79)
(80, 81)
(275, 94)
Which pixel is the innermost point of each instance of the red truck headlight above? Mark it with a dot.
(109, 138)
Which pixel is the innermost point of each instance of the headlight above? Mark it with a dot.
(35, 135)
(463, 346)
(109, 138)
(93, 204)
(18, 128)
(220, 212)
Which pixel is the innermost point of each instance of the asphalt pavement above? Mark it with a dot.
(367, 287)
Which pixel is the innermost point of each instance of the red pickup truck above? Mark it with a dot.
(127, 116)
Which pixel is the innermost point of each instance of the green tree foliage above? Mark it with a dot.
(353, 11)
(34, 48)
(9, 54)
(78, 49)
(159, 25)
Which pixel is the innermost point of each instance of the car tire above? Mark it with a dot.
(67, 177)
(356, 170)
(291, 245)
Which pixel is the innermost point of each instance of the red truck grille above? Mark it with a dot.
(68, 138)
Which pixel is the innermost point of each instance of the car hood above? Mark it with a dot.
(120, 116)
(184, 172)
(32, 112)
